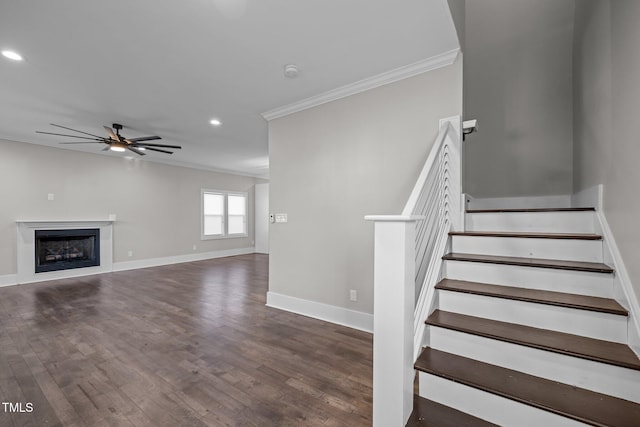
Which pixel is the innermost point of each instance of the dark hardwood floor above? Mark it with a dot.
(183, 345)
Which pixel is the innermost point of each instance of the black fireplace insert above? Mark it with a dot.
(66, 249)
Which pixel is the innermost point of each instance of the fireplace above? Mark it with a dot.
(66, 249)
(28, 256)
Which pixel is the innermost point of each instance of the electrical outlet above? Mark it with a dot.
(130, 253)
(51, 196)
(195, 247)
(353, 295)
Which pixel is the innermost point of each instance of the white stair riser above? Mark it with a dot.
(565, 249)
(550, 222)
(573, 282)
(599, 377)
(603, 326)
(487, 406)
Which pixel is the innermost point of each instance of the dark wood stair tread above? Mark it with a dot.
(609, 352)
(563, 236)
(579, 404)
(594, 267)
(561, 299)
(427, 413)
(531, 210)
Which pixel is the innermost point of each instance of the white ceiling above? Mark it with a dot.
(167, 67)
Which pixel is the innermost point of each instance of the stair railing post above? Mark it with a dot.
(393, 317)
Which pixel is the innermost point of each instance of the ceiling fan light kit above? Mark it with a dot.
(10, 54)
(115, 141)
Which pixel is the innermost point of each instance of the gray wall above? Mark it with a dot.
(517, 83)
(607, 149)
(457, 8)
(157, 206)
(592, 93)
(332, 165)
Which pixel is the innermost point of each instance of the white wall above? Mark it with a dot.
(517, 83)
(607, 68)
(157, 206)
(332, 165)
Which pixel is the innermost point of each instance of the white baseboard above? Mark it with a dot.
(154, 262)
(588, 198)
(8, 280)
(12, 279)
(557, 201)
(330, 313)
(623, 290)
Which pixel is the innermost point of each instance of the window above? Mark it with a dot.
(224, 214)
(213, 214)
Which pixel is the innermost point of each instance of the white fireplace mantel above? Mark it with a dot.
(64, 223)
(26, 248)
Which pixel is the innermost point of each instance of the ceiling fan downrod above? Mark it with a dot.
(117, 127)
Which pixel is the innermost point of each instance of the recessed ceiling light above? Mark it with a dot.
(15, 56)
(215, 122)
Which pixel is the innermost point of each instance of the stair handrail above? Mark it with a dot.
(407, 257)
(437, 196)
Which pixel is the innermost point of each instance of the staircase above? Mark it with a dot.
(525, 330)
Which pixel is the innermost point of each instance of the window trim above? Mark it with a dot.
(225, 214)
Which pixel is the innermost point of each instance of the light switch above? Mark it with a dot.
(51, 196)
(281, 217)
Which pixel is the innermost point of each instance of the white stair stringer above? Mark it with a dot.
(538, 222)
(602, 326)
(488, 406)
(600, 377)
(548, 279)
(565, 249)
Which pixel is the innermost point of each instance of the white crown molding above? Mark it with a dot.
(328, 313)
(429, 64)
(179, 164)
(160, 161)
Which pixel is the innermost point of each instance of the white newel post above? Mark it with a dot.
(393, 313)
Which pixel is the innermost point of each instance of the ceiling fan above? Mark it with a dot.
(115, 141)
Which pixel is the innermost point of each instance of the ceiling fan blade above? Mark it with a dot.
(135, 150)
(75, 130)
(177, 147)
(158, 150)
(111, 133)
(70, 136)
(83, 142)
(143, 138)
